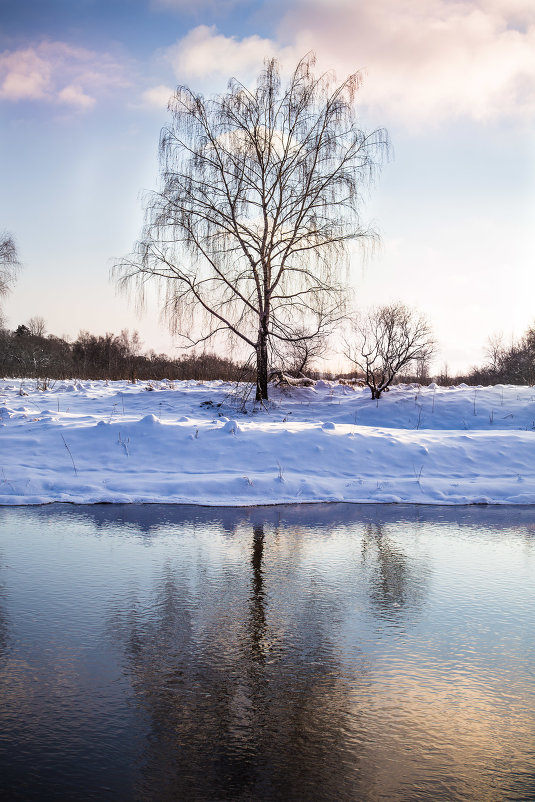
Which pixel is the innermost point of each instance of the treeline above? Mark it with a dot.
(507, 364)
(28, 352)
(25, 353)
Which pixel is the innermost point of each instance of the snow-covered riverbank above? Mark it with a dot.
(188, 442)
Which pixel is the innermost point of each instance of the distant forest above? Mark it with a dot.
(27, 352)
(30, 354)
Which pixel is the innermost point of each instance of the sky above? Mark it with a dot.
(84, 86)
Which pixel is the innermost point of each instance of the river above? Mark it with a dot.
(313, 652)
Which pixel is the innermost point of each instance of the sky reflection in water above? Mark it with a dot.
(317, 652)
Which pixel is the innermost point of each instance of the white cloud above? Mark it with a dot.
(424, 62)
(55, 72)
(157, 96)
(203, 53)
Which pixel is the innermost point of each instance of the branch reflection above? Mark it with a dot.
(245, 696)
(397, 582)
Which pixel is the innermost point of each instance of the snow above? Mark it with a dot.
(190, 442)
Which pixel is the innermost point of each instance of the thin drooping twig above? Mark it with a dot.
(70, 455)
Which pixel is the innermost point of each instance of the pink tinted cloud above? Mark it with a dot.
(24, 75)
(425, 60)
(430, 59)
(56, 72)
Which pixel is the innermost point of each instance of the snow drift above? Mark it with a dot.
(89, 442)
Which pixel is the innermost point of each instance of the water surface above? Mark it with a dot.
(322, 652)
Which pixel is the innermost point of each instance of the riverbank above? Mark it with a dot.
(193, 443)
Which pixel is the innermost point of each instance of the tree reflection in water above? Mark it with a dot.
(396, 581)
(244, 700)
(258, 603)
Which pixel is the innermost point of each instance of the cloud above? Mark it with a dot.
(157, 96)
(25, 75)
(74, 96)
(429, 60)
(56, 72)
(424, 61)
(204, 53)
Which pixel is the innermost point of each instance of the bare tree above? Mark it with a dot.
(261, 191)
(422, 367)
(37, 326)
(9, 265)
(390, 338)
(297, 356)
(297, 353)
(495, 352)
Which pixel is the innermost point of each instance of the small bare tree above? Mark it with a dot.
(9, 265)
(298, 356)
(495, 352)
(261, 191)
(303, 345)
(390, 338)
(37, 326)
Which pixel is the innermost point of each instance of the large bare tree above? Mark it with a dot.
(261, 191)
(387, 340)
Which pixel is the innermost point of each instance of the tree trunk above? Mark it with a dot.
(261, 367)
